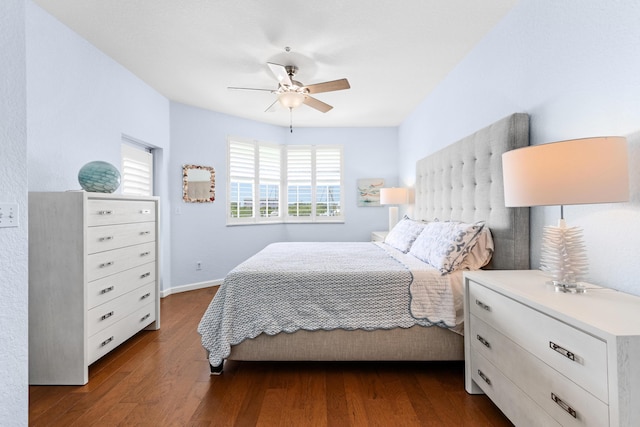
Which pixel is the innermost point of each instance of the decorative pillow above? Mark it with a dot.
(481, 253)
(404, 234)
(444, 245)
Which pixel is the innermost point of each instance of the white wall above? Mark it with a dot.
(80, 103)
(199, 231)
(14, 394)
(574, 66)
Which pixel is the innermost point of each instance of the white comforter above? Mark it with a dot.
(291, 286)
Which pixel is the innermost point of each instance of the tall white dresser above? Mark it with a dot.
(93, 279)
(552, 359)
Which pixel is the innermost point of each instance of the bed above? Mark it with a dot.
(460, 184)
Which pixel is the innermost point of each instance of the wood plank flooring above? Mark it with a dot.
(161, 378)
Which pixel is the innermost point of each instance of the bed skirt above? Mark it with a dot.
(415, 343)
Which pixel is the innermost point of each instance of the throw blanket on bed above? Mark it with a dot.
(291, 286)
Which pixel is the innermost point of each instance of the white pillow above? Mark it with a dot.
(404, 234)
(445, 244)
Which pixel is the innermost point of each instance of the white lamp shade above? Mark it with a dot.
(393, 196)
(291, 99)
(589, 170)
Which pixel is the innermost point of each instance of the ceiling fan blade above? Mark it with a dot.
(317, 104)
(329, 86)
(281, 73)
(271, 108)
(250, 88)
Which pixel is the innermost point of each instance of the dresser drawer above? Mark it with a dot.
(106, 212)
(561, 398)
(108, 237)
(579, 356)
(516, 405)
(102, 290)
(111, 337)
(115, 310)
(103, 264)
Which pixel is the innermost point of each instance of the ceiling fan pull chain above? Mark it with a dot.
(291, 119)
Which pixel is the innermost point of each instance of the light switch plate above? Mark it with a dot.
(8, 215)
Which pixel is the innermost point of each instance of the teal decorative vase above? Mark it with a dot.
(99, 177)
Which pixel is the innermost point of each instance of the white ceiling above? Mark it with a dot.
(394, 52)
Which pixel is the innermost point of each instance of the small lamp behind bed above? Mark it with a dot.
(580, 171)
(393, 196)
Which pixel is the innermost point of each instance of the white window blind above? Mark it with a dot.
(269, 161)
(242, 178)
(311, 177)
(299, 181)
(328, 181)
(136, 171)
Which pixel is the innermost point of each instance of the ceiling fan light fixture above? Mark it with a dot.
(291, 99)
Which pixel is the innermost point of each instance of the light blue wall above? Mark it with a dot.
(14, 320)
(80, 102)
(199, 231)
(574, 66)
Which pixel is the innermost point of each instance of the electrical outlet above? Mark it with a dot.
(8, 215)
(198, 265)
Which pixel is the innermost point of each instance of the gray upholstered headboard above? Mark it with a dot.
(464, 182)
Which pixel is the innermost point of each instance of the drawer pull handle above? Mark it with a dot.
(145, 253)
(147, 295)
(145, 317)
(107, 341)
(147, 274)
(143, 233)
(145, 211)
(564, 405)
(106, 316)
(483, 305)
(105, 290)
(105, 239)
(483, 341)
(105, 212)
(106, 264)
(484, 377)
(563, 351)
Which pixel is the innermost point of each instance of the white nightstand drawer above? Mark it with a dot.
(573, 406)
(107, 314)
(516, 405)
(102, 290)
(108, 237)
(105, 212)
(579, 356)
(103, 264)
(111, 337)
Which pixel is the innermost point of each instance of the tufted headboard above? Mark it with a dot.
(464, 182)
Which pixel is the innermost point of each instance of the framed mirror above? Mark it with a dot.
(198, 184)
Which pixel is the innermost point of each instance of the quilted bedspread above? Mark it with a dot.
(347, 285)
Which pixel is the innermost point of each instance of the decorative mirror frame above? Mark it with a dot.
(185, 184)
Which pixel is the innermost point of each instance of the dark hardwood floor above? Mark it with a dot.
(161, 378)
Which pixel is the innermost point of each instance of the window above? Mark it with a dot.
(136, 171)
(277, 183)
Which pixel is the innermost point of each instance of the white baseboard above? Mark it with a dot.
(190, 287)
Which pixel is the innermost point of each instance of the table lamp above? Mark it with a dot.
(393, 196)
(579, 171)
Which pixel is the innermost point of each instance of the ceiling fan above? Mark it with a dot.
(291, 93)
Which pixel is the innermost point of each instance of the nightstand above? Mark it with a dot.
(550, 358)
(378, 236)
